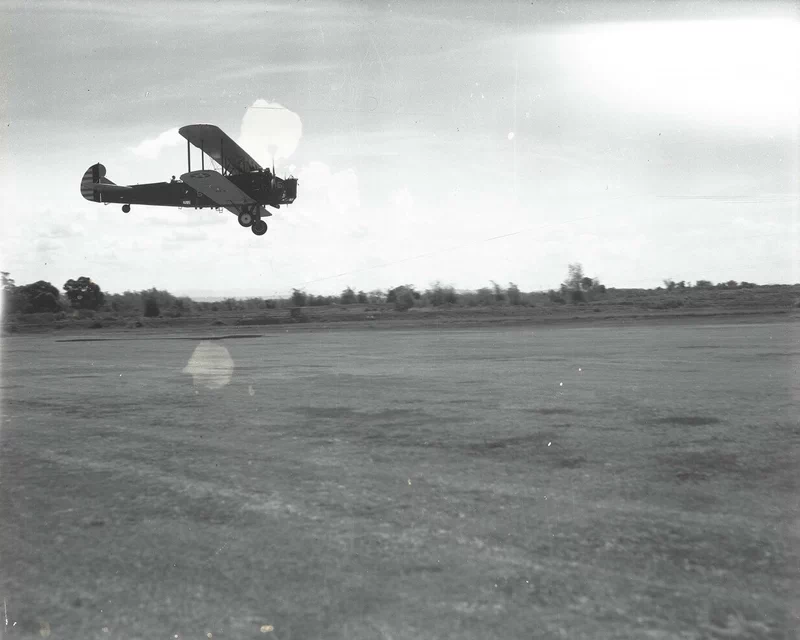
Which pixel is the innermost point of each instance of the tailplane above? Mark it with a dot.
(93, 181)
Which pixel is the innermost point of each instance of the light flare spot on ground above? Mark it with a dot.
(210, 366)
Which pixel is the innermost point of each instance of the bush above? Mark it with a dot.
(151, 309)
(403, 299)
(83, 293)
(439, 295)
(484, 296)
(577, 296)
(348, 296)
(38, 297)
(298, 298)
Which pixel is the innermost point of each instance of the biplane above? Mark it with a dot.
(240, 185)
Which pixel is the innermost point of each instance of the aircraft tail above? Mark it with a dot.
(91, 181)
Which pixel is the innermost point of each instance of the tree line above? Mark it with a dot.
(83, 293)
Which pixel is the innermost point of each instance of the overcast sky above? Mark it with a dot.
(452, 141)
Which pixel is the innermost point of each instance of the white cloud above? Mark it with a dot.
(343, 192)
(735, 73)
(152, 147)
(315, 176)
(341, 188)
(270, 132)
(402, 200)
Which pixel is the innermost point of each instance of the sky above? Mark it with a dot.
(455, 141)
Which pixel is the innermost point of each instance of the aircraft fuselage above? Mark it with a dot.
(264, 188)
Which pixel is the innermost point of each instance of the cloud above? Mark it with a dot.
(402, 201)
(46, 248)
(58, 230)
(192, 235)
(340, 188)
(187, 217)
(270, 132)
(734, 73)
(315, 176)
(152, 147)
(343, 193)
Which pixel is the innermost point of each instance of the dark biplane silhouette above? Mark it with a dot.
(241, 186)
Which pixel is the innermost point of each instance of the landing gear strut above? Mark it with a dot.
(126, 208)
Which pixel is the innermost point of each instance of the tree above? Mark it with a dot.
(13, 300)
(499, 296)
(83, 293)
(391, 295)
(7, 281)
(557, 296)
(576, 296)
(151, 308)
(513, 293)
(38, 297)
(376, 296)
(704, 284)
(362, 298)
(669, 284)
(439, 295)
(298, 298)
(348, 296)
(484, 296)
(403, 298)
(575, 277)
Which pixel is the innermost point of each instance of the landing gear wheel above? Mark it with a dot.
(245, 218)
(126, 208)
(259, 227)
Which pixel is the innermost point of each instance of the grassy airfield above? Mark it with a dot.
(626, 481)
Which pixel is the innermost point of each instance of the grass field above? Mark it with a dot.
(547, 482)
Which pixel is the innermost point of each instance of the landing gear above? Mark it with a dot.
(246, 218)
(259, 227)
(126, 208)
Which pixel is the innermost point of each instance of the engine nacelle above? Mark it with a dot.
(285, 189)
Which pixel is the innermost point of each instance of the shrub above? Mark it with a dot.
(299, 298)
(83, 293)
(484, 296)
(403, 298)
(577, 296)
(439, 295)
(151, 309)
(37, 297)
(348, 296)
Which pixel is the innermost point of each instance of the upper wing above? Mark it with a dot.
(218, 145)
(217, 188)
